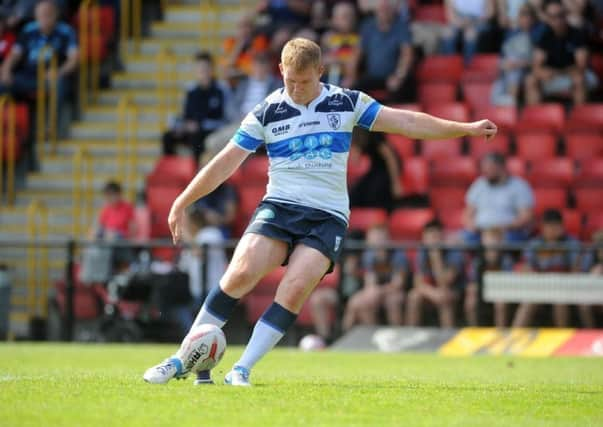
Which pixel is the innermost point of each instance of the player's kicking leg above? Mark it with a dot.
(254, 257)
(306, 268)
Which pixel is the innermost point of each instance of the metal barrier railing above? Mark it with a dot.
(8, 145)
(89, 37)
(130, 27)
(46, 125)
(37, 262)
(83, 191)
(127, 144)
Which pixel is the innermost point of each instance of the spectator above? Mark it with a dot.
(286, 12)
(515, 60)
(489, 260)
(319, 18)
(539, 259)
(250, 91)
(499, 200)
(438, 278)
(219, 206)
(387, 53)
(467, 20)
(115, 220)
(199, 232)
(385, 276)
(18, 12)
(341, 46)
(560, 61)
(240, 49)
(380, 186)
(592, 263)
(325, 301)
(281, 36)
(7, 39)
(509, 12)
(205, 110)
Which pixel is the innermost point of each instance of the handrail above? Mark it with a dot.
(130, 26)
(82, 190)
(89, 23)
(6, 101)
(41, 102)
(38, 266)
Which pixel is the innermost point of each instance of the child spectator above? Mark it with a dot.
(539, 259)
(438, 278)
(385, 275)
(115, 220)
(205, 110)
(341, 46)
(515, 60)
(489, 260)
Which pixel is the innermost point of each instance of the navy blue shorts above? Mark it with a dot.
(295, 224)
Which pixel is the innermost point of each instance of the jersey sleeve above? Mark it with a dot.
(366, 110)
(250, 134)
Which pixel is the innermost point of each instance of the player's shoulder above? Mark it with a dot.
(31, 28)
(274, 108)
(338, 99)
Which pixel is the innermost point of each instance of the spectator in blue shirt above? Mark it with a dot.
(387, 53)
(438, 278)
(385, 276)
(540, 259)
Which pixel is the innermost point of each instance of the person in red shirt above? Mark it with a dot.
(116, 218)
(7, 38)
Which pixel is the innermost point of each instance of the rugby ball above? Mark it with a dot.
(312, 343)
(202, 349)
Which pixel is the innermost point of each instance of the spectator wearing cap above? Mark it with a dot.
(540, 259)
(438, 278)
(498, 200)
(205, 110)
(560, 65)
(387, 53)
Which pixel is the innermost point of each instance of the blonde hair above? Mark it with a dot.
(300, 53)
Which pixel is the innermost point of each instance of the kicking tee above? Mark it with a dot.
(308, 146)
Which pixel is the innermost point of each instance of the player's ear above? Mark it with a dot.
(280, 67)
(321, 70)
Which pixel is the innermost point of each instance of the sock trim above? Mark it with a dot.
(271, 325)
(213, 313)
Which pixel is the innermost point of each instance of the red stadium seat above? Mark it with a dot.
(172, 171)
(549, 198)
(403, 146)
(457, 171)
(517, 166)
(536, 145)
(457, 111)
(479, 146)
(250, 197)
(269, 283)
(441, 68)
(589, 199)
(572, 221)
(445, 198)
(17, 148)
(483, 68)
(582, 145)
(407, 224)
(256, 170)
(549, 117)
(590, 173)
(21, 120)
(452, 219)
(477, 94)
(587, 117)
(106, 20)
(363, 218)
(504, 117)
(358, 165)
(443, 148)
(434, 93)
(430, 13)
(594, 223)
(159, 201)
(559, 172)
(255, 305)
(415, 176)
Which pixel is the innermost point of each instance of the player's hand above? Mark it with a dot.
(175, 222)
(483, 128)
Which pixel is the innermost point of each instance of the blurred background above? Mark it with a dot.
(109, 108)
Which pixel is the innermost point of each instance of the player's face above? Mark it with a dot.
(302, 86)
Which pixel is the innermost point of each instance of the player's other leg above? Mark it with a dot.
(254, 257)
(306, 268)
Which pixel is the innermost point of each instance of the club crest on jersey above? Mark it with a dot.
(334, 120)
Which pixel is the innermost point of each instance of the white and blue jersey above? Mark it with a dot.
(308, 146)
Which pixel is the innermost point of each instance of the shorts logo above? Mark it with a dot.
(334, 120)
(265, 214)
(337, 243)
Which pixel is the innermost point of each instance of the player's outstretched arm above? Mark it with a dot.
(207, 180)
(424, 126)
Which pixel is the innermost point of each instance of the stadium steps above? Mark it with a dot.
(186, 29)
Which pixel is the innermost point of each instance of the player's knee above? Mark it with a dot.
(241, 278)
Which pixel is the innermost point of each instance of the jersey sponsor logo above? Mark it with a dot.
(281, 130)
(334, 120)
(312, 123)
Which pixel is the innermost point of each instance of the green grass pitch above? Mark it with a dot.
(101, 385)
